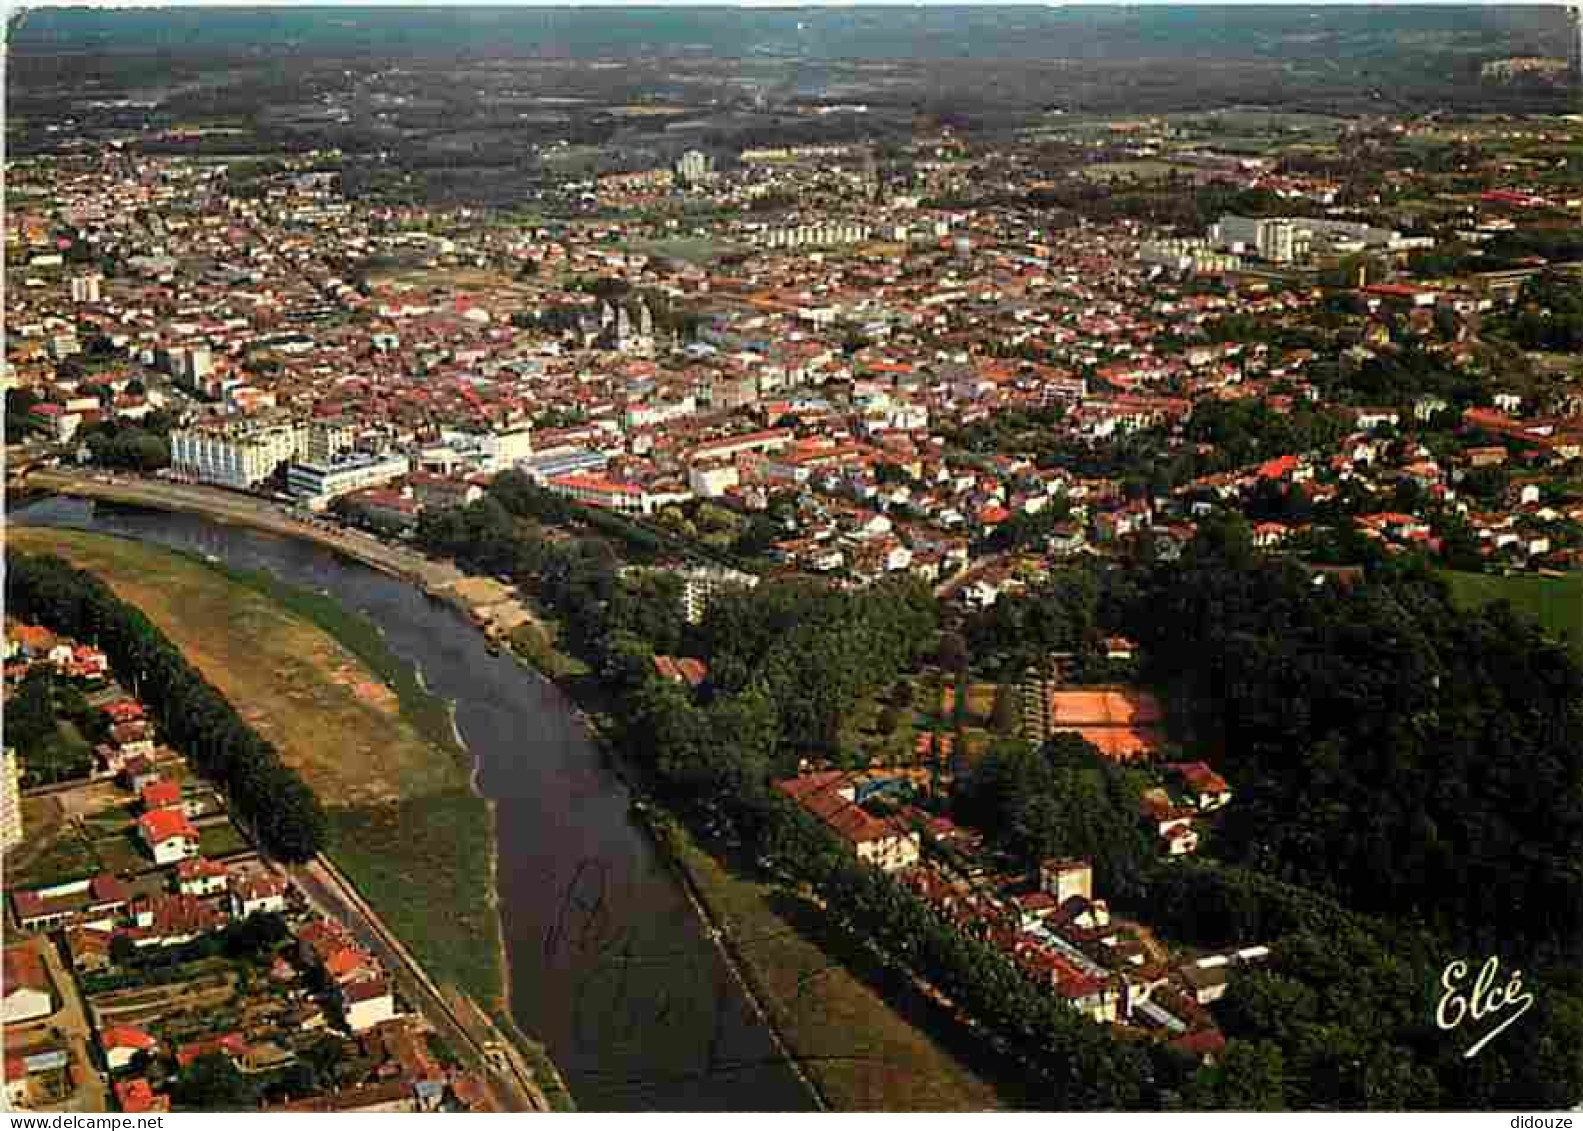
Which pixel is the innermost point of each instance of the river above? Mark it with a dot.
(610, 966)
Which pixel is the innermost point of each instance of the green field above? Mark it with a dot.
(1555, 602)
(690, 249)
(427, 713)
(51, 848)
(220, 839)
(865, 1037)
(319, 682)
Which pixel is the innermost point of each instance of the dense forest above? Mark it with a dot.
(1404, 755)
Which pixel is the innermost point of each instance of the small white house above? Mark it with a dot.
(367, 1003)
(168, 835)
(257, 892)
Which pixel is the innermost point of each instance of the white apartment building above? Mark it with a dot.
(699, 585)
(1284, 239)
(191, 364)
(240, 456)
(326, 439)
(645, 414)
(710, 481)
(1274, 240)
(318, 484)
(85, 288)
(502, 450)
(813, 235)
(694, 167)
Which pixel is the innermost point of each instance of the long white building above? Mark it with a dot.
(1283, 239)
(318, 484)
(240, 455)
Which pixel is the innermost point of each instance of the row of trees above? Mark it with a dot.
(788, 662)
(1391, 753)
(266, 794)
(1073, 1063)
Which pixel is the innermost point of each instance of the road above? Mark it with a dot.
(91, 1093)
(246, 510)
(508, 1078)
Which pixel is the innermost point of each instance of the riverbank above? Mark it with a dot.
(487, 603)
(405, 822)
(246, 510)
(850, 1047)
(815, 1023)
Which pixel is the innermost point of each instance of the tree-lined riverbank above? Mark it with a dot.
(583, 892)
(402, 817)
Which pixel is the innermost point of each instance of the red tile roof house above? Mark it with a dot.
(681, 669)
(124, 710)
(123, 1042)
(886, 843)
(79, 902)
(257, 892)
(137, 1097)
(231, 1045)
(1207, 788)
(21, 1066)
(170, 920)
(161, 794)
(367, 1003)
(328, 944)
(25, 984)
(168, 835)
(198, 876)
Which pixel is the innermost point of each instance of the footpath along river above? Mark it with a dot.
(610, 965)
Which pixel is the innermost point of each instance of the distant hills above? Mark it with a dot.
(1205, 32)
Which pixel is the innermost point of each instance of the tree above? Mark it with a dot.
(123, 951)
(213, 1083)
(952, 652)
(264, 793)
(1250, 1076)
(1281, 675)
(1008, 712)
(19, 419)
(30, 716)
